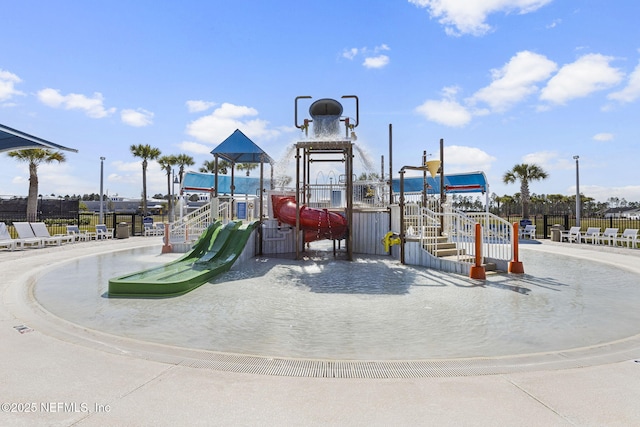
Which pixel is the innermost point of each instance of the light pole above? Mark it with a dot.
(577, 191)
(101, 217)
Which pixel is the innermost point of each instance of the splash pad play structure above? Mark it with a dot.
(308, 315)
(369, 217)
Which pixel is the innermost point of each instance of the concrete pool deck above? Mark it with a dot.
(55, 373)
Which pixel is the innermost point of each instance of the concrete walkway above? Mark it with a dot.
(57, 374)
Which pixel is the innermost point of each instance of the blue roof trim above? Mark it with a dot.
(472, 182)
(12, 139)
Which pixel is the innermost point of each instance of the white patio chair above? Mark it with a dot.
(529, 231)
(159, 228)
(573, 235)
(25, 233)
(628, 236)
(6, 241)
(40, 230)
(608, 236)
(78, 236)
(150, 229)
(102, 232)
(591, 235)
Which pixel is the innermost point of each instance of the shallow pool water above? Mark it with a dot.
(372, 308)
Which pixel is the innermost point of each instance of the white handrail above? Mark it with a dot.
(496, 235)
(191, 226)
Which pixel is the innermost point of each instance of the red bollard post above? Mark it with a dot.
(515, 266)
(477, 270)
(166, 248)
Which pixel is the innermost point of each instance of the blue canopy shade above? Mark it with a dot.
(204, 183)
(12, 139)
(238, 148)
(472, 182)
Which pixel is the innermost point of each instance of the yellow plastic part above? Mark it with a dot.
(390, 239)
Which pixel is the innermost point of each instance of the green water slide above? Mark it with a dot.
(215, 252)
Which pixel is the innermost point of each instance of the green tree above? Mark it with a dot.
(166, 164)
(524, 173)
(183, 160)
(146, 153)
(35, 157)
(209, 166)
(248, 167)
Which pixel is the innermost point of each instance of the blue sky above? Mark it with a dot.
(502, 81)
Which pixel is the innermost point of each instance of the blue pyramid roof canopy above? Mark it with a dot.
(238, 148)
(12, 139)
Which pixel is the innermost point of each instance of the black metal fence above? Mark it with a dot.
(544, 223)
(57, 224)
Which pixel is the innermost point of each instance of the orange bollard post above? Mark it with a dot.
(478, 271)
(166, 248)
(515, 266)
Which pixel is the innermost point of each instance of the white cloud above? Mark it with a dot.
(632, 91)
(7, 85)
(137, 118)
(460, 159)
(554, 23)
(195, 147)
(93, 107)
(350, 53)
(468, 17)
(372, 57)
(543, 158)
(602, 194)
(588, 74)
(446, 111)
(224, 120)
(199, 106)
(603, 137)
(515, 81)
(376, 61)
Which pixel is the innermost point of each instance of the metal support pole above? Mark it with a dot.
(578, 207)
(402, 234)
(101, 217)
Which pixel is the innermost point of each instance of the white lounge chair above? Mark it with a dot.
(608, 236)
(40, 230)
(102, 232)
(591, 235)
(628, 236)
(25, 233)
(6, 241)
(573, 235)
(529, 231)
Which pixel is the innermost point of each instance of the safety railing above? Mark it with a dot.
(441, 233)
(496, 235)
(191, 226)
(459, 229)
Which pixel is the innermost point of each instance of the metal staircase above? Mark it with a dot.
(187, 229)
(449, 237)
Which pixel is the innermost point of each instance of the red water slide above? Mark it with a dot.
(317, 224)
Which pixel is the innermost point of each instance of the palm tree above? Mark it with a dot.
(34, 157)
(209, 166)
(524, 173)
(166, 164)
(246, 167)
(183, 160)
(146, 153)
